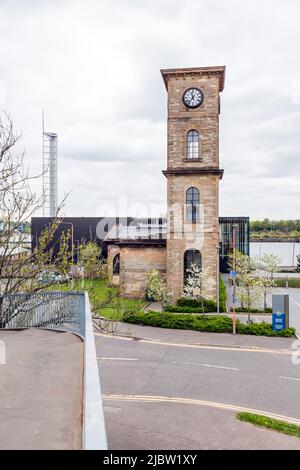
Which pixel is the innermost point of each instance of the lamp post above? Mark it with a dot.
(234, 279)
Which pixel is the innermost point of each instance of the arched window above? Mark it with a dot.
(191, 257)
(192, 144)
(192, 205)
(116, 265)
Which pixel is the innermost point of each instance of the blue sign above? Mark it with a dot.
(233, 299)
(278, 321)
(233, 274)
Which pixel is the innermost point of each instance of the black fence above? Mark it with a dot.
(242, 232)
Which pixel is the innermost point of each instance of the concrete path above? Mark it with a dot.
(41, 390)
(153, 307)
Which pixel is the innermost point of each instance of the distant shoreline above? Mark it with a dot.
(275, 240)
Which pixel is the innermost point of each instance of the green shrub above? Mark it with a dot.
(222, 295)
(196, 306)
(185, 305)
(253, 310)
(177, 309)
(270, 423)
(292, 282)
(212, 323)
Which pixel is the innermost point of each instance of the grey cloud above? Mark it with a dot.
(95, 69)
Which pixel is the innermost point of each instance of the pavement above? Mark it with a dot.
(41, 390)
(199, 338)
(171, 389)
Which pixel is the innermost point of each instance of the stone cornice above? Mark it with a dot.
(144, 242)
(208, 71)
(194, 171)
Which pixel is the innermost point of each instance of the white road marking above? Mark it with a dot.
(289, 378)
(117, 358)
(205, 365)
(292, 299)
(191, 401)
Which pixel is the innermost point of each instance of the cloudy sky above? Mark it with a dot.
(94, 65)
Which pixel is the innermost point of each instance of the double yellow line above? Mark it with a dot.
(191, 401)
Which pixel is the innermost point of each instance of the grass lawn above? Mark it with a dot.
(105, 300)
(270, 423)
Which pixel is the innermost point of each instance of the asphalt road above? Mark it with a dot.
(176, 396)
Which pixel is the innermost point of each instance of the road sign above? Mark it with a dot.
(234, 299)
(233, 274)
(280, 306)
(278, 321)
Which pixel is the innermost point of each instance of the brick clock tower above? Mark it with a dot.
(193, 174)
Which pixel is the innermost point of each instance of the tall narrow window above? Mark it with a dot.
(191, 257)
(116, 265)
(192, 205)
(192, 144)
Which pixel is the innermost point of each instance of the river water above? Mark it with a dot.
(286, 251)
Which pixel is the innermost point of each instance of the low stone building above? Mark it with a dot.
(133, 251)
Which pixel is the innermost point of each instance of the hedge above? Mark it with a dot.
(207, 309)
(212, 324)
(253, 310)
(292, 282)
(195, 305)
(222, 295)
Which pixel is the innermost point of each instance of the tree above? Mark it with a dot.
(198, 281)
(20, 270)
(249, 287)
(156, 287)
(270, 263)
(249, 293)
(90, 259)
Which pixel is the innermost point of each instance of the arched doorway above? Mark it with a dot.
(191, 257)
(116, 265)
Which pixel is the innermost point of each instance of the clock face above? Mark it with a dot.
(193, 97)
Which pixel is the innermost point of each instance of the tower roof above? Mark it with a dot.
(182, 72)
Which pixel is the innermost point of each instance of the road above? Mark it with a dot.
(179, 396)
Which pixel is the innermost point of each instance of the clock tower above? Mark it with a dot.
(193, 175)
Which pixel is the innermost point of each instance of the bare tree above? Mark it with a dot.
(20, 270)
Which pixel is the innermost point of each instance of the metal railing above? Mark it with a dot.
(71, 312)
(54, 310)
